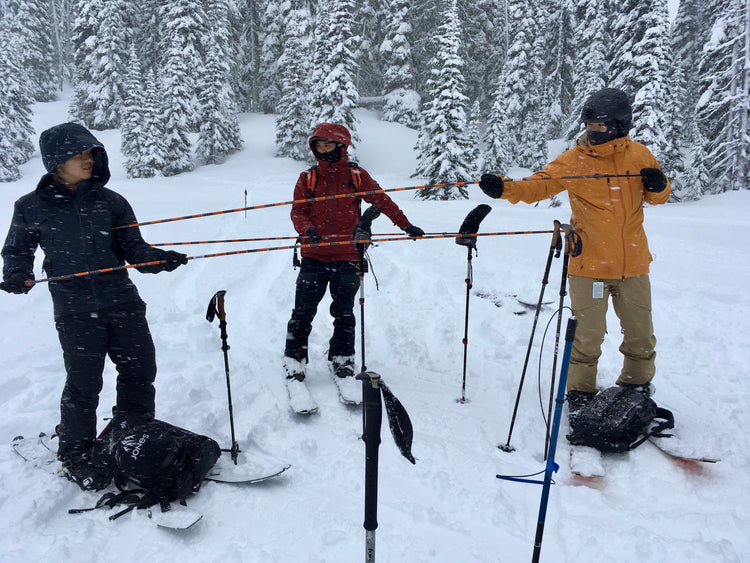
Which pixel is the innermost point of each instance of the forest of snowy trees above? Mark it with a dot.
(485, 82)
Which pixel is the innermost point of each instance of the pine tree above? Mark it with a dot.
(560, 67)
(591, 39)
(687, 170)
(517, 123)
(141, 132)
(474, 138)
(640, 69)
(273, 23)
(219, 133)
(370, 27)
(292, 124)
(723, 107)
(183, 25)
(100, 43)
(337, 92)
(15, 110)
(484, 46)
(31, 21)
(442, 147)
(401, 100)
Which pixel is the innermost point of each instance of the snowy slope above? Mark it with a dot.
(449, 507)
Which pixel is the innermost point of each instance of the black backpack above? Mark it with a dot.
(618, 419)
(168, 461)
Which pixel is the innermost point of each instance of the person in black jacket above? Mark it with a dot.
(75, 220)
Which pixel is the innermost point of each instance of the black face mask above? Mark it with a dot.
(614, 131)
(330, 156)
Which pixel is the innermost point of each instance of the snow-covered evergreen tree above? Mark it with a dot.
(591, 40)
(532, 148)
(293, 121)
(219, 133)
(31, 21)
(690, 32)
(723, 107)
(273, 23)
(401, 99)
(517, 123)
(182, 28)
(142, 141)
(16, 133)
(249, 38)
(474, 138)
(183, 25)
(443, 150)
(484, 46)
(640, 68)
(100, 45)
(562, 53)
(370, 27)
(336, 96)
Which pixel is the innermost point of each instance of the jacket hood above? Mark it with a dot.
(332, 132)
(62, 142)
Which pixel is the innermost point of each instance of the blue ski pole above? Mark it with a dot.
(551, 465)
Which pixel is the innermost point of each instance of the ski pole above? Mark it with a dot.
(371, 192)
(554, 250)
(572, 246)
(216, 308)
(470, 225)
(269, 249)
(362, 232)
(372, 416)
(292, 202)
(375, 237)
(551, 466)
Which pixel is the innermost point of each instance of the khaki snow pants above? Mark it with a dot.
(631, 299)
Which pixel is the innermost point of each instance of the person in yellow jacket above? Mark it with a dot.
(607, 212)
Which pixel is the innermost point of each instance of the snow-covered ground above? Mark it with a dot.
(449, 507)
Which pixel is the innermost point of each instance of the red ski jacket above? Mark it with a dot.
(336, 216)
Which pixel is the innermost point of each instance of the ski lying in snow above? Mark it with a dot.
(671, 444)
(300, 400)
(178, 517)
(586, 462)
(37, 453)
(687, 440)
(251, 467)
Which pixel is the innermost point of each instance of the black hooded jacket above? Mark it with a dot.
(76, 232)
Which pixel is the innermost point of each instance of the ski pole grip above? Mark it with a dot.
(220, 306)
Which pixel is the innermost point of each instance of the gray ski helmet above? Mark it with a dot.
(608, 105)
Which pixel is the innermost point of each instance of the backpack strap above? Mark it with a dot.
(663, 420)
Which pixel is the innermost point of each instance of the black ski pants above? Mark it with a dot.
(313, 279)
(120, 332)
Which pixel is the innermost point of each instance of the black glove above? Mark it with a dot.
(311, 236)
(413, 231)
(492, 185)
(17, 283)
(653, 180)
(174, 260)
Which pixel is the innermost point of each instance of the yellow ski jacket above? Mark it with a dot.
(607, 212)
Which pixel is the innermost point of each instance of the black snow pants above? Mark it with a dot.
(120, 332)
(314, 277)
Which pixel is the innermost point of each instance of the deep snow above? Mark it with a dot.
(448, 507)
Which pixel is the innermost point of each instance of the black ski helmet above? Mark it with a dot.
(608, 105)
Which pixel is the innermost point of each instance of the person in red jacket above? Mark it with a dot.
(336, 266)
(607, 212)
